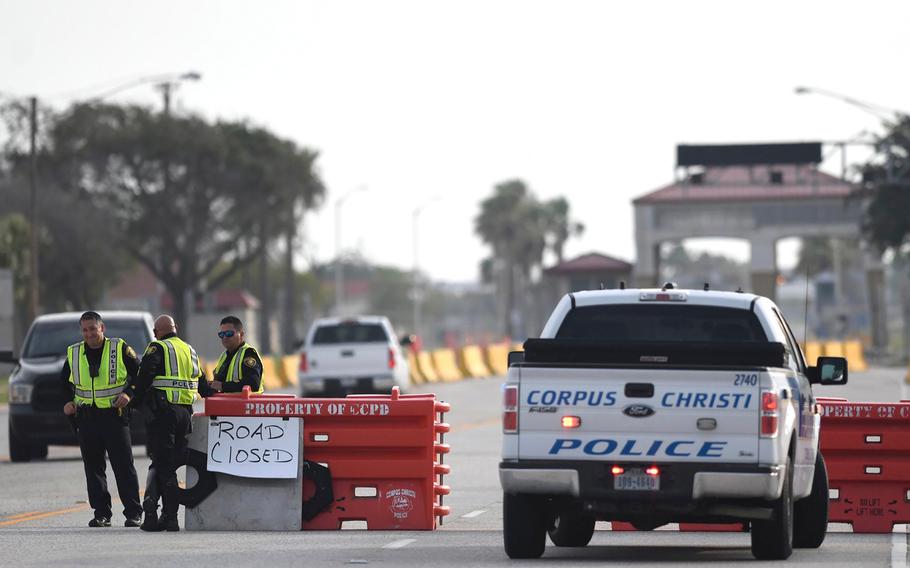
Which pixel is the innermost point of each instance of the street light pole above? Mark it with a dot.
(416, 291)
(34, 300)
(339, 271)
(890, 118)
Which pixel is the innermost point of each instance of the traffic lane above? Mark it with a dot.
(119, 547)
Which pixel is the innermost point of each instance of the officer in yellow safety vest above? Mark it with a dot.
(240, 364)
(169, 378)
(95, 372)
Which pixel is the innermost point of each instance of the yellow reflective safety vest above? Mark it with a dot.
(181, 370)
(233, 372)
(103, 389)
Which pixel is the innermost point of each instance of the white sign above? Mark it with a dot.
(249, 446)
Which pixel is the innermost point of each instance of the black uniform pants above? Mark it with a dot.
(168, 431)
(100, 432)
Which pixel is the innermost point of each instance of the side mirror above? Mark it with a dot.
(829, 371)
(406, 340)
(516, 357)
(298, 343)
(6, 356)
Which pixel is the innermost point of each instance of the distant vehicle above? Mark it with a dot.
(36, 393)
(359, 355)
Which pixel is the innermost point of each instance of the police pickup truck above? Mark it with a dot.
(664, 405)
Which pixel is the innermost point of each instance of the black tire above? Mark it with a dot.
(773, 539)
(19, 448)
(524, 526)
(39, 451)
(571, 530)
(810, 514)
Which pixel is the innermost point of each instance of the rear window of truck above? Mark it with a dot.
(661, 323)
(350, 333)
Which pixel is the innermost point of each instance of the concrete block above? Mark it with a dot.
(242, 503)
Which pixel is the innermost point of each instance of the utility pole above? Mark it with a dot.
(33, 210)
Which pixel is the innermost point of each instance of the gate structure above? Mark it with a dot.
(760, 193)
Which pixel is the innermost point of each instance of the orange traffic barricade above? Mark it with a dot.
(866, 446)
(384, 455)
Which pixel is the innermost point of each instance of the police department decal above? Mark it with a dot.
(249, 362)
(401, 502)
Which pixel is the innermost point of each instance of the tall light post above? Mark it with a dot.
(889, 117)
(339, 271)
(416, 291)
(167, 83)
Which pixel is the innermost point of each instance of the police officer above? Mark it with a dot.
(169, 378)
(240, 364)
(95, 373)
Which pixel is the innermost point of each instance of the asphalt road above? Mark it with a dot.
(43, 515)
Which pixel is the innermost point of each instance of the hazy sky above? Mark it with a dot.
(422, 99)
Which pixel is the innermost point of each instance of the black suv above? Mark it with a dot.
(36, 394)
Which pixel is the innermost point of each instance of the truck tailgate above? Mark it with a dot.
(349, 360)
(639, 415)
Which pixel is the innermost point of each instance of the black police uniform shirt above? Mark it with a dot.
(151, 366)
(250, 371)
(130, 361)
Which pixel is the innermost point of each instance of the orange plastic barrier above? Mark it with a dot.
(471, 362)
(417, 377)
(834, 348)
(270, 379)
(427, 368)
(498, 358)
(446, 367)
(384, 452)
(866, 446)
(853, 351)
(812, 351)
(287, 369)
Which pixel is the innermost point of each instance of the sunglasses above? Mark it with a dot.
(228, 333)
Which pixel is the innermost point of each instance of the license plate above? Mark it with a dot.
(636, 480)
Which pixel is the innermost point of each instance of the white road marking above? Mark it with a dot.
(400, 543)
(899, 556)
(473, 514)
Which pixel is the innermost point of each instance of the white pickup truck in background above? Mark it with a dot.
(359, 355)
(664, 405)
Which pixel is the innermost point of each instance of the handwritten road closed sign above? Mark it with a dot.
(260, 447)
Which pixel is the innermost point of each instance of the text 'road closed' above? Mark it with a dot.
(260, 447)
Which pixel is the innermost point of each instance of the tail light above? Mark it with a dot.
(617, 470)
(653, 471)
(571, 421)
(510, 409)
(391, 358)
(304, 366)
(770, 413)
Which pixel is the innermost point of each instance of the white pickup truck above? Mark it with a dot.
(358, 355)
(664, 405)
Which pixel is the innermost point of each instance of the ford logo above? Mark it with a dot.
(638, 410)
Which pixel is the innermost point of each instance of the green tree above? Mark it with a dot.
(184, 192)
(77, 260)
(886, 188)
(520, 228)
